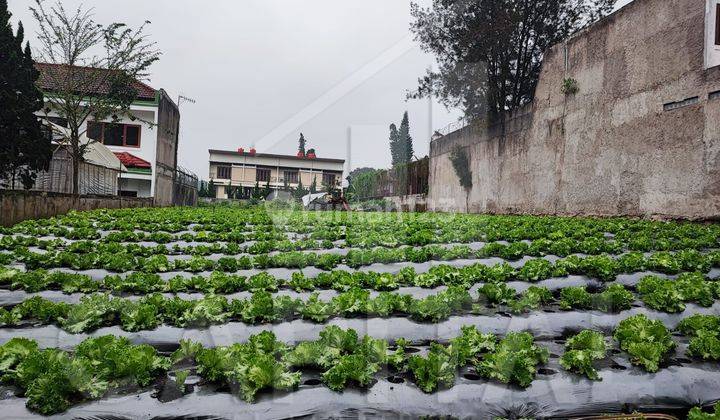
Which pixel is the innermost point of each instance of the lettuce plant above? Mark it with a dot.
(514, 360)
(581, 350)
(647, 341)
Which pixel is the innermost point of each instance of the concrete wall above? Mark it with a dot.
(614, 147)
(409, 203)
(16, 206)
(165, 162)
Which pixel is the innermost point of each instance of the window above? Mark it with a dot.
(329, 179)
(262, 175)
(224, 172)
(291, 177)
(111, 134)
(717, 24)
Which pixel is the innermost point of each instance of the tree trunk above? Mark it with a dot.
(75, 145)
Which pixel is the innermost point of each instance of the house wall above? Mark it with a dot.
(619, 146)
(144, 114)
(142, 186)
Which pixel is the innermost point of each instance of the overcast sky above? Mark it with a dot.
(262, 71)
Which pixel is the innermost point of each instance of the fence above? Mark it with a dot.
(185, 188)
(409, 179)
(93, 179)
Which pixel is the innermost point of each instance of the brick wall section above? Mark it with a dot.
(611, 149)
(16, 206)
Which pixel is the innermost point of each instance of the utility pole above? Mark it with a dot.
(430, 115)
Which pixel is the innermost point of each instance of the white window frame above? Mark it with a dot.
(712, 51)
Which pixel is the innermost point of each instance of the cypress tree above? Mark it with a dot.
(405, 141)
(301, 144)
(394, 145)
(24, 149)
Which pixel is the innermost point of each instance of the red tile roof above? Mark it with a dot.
(132, 161)
(53, 75)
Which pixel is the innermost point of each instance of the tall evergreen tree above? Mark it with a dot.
(301, 144)
(394, 145)
(299, 192)
(405, 145)
(24, 149)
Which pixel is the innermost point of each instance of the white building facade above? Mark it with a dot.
(142, 140)
(242, 171)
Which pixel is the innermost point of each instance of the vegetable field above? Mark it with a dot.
(238, 312)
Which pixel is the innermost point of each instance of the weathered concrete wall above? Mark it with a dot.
(16, 206)
(409, 203)
(611, 148)
(167, 146)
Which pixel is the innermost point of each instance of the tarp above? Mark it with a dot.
(96, 153)
(312, 197)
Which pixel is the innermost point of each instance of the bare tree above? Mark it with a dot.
(92, 69)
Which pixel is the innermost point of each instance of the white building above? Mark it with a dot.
(144, 141)
(240, 171)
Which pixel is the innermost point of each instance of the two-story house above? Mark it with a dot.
(145, 141)
(243, 170)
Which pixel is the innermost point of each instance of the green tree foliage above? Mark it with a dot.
(301, 144)
(490, 52)
(394, 145)
(357, 172)
(266, 190)
(405, 140)
(24, 148)
(401, 148)
(299, 192)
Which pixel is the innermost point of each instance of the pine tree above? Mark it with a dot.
(301, 144)
(405, 145)
(24, 148)
(267, 190)
(394, 145)
(299, 192)
(313, 186)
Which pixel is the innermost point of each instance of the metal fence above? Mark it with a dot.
(185, 187)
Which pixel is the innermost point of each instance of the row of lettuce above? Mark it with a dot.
(358, 229)
(122, 261)
(263, 242)
(603, 267)
(52, 379)
(147, 313)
